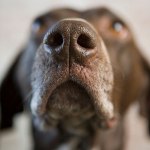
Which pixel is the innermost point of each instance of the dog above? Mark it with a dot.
(78, 74)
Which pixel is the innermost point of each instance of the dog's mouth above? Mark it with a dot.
(69, 104)
(69, 99)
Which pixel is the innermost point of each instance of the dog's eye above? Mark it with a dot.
(118, 29)
(37, 24)
(117, 26)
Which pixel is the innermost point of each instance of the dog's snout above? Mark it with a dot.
(71, 38)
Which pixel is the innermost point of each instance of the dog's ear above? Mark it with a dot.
(145, 101)
(10, 97)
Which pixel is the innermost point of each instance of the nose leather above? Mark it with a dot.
(71, 39)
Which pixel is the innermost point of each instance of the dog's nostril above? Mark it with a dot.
(86, 41)
(55, 40)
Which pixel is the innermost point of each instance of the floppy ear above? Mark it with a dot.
(145, 102)
(10, 98)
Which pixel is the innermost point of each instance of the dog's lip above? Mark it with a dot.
(98, 86)
(74, 89)
(50, 118)
(39, 109)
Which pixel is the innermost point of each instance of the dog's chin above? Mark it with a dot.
(69, 105)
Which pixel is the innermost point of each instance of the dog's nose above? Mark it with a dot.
(71, 39)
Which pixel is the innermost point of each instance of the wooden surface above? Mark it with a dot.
(15, 19)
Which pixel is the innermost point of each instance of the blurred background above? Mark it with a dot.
(15, 20)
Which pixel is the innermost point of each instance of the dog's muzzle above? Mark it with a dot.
(72, 73)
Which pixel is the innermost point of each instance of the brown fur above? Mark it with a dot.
(80, 91)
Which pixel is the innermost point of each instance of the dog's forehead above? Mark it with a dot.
(64, 13)
(99, 12)
(57, 15)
